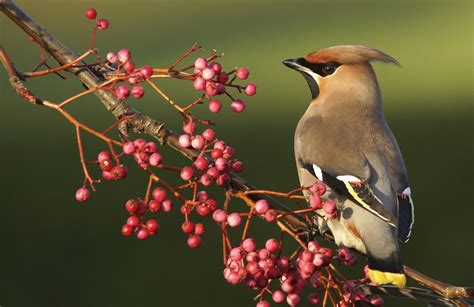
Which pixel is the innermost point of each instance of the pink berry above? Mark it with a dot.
(211, 89)
(238, 166)
(198, 142)
(215, 106)
(228, 152)
(329, 207)
(194, 241)
(263, 304)
(200, 63)
(102, 156)
(219, 216)
(206, 180)
(293, 299)
(318, 188)
(221, 164)
(107, 175)
(167, 205)
(271, 216)
(140, 144)
(128, 148)
(189, 127)
(127, 230)
(209, 135)
(159, 194)
(151, 147)
(111, 57)
(199, 229)
(129, 66)
(242, 73)
(133, 221)
(315, 202)
(213, 172)
(272, 245)
(187, 173)
(119, 172)
(250, 89)
(138, 91)
(223, 179)
(376, 300)
(82, 194)
(249, 245)
(222, 77)
(278, 296)
(234, 219)
(154, 205)
(237, 106)
(122, 92)
(202, 196)
(219, 145)
(124, 55)
(103, 24)
(188, 227)
(199, 84)
(313, 299)
(261, 206)
(152, 226)
(155, 159)
(216, 153)
(142, 234)
(91, 13)
(217, 67)
(146, 71)
(201, 163)
(220, 88)
(184, 140)
(208, 73)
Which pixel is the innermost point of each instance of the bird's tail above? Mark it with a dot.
(387, 271)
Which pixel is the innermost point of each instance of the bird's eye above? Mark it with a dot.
(328, 69)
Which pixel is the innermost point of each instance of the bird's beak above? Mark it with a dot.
(295, 64)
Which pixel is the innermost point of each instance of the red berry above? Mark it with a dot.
(217, 67)
(263, 304)
(223, 179)
(211, 88)
(215, 106)
(329, 207)
(272, 245)
(376, 300)
(213, 172)
(184, 140)
(131, 206)
(201, 163)
(199, 84)
(318, 188)
(228, 152)
(103, 24)
(159, 194)
(293, 299)
(271, 216)
(219, 216)
(209, 135)
(124, 55)
(250, 89)
(167, 205)
(119, 172)
(188, 227)
(199, 229)
(219, 145)
(206, 180)
(237, 106)
(152, 226)
(122, 92)
(139, 143)
(200, 63)
(234, 219)
(128, 148)
(189, 127)
(82, 194)
(203, 210)
(106, 165)
(103, 155)
(142, 234)
(154, 205)
(133, 221)
(249, 245)
(278, 296)
(138, 91)
(221, 164)
(242, 73)
(129, 66)
(127, 230)
(261, 206)
(146, 71)
(91, 13)
(222, 78)
(155, 159)
(238, 166)
(216, 153)
(194, 241)
(187, 173)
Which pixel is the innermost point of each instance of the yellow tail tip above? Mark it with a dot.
(382, 278)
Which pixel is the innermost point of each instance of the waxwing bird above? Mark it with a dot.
(344, 141)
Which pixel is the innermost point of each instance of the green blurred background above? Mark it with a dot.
(55, 252)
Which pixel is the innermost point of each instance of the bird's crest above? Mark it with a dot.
(349, 54)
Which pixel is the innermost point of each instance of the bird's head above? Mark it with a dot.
(339, 68)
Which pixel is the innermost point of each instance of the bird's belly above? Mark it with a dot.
(344, 234)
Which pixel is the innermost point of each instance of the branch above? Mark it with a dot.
(132, 120)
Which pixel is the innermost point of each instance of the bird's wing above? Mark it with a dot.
(355, 187)
(399, 181)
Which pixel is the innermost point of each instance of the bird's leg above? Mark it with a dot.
(446, 290)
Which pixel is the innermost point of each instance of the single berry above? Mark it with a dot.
(217, 67)
(194, 241)
(167, 205)
(272, 245)
(155, 159)
(237, 106)
(198, 142)
(200, 63)
(122, 92)
(129, 66)
(208, 73)
(238, 166)
(293, 299)
(242, 73)
(184, 140)
(82, 194)
(133, 221)
(249, 245)
(127, 230)
(103, 24)
(263, 304)
(234, 219)
(278, 296)
(138, 91)
(201, 163)
(142, 234)
(250, 89)
(91, 13)
(199, 229)
(222, 78)
(219, 216)
(111, 57)
(103, 155)
(128, 148)
(159, 194)
(215, 106)
(154, 205)
(124, 55)
(209, 135)
(188, 227)
(152, 226)
(261, 206)
(199, 84)
(131, 206)
(271, 216)
(146, 71)
(187, 173)
(189, 127)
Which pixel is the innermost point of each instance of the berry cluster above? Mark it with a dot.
(212, 81)
(101, 24)
(145, 153)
